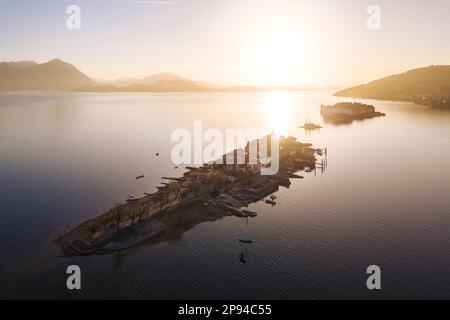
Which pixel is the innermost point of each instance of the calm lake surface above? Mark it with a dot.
(384, 199)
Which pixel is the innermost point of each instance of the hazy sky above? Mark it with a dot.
(258, 42)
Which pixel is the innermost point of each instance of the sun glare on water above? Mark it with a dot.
(278, 108)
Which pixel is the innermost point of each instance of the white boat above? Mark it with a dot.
(245, 239)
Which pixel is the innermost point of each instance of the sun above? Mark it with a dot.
(280, 57)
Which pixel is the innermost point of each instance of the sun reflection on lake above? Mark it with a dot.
(278, 109)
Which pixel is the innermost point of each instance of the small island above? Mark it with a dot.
(206, 193)
(347, 112)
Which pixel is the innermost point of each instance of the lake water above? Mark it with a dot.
(383, 200)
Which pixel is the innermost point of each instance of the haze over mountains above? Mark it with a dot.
(150, 80)
(161, 82)
(61, 76)
(53, 75)
(428, 85)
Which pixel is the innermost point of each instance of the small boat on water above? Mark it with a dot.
(248, 213)
(273, 197)
(140, 177)
(131, 199)
(242, 257)
(245, 239)
(270, 201)
(311, 126)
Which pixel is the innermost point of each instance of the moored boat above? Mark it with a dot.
(248, 213)
(311, 126)
(245, 239)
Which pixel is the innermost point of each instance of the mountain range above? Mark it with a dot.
(61, 76)
(53, 75)
(427, 85)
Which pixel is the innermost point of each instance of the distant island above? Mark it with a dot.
(428, 86)
(346, 112)
(57, 75)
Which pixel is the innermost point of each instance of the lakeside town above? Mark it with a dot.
(209, 192)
